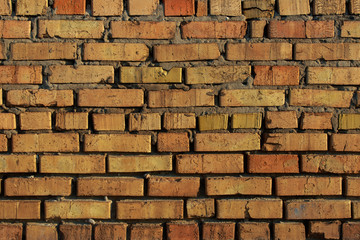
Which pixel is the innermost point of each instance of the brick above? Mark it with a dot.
(333, 75)
(182, 230)
(356, 209)
(140, 7)
(253, 230)
(352, 186)
(294, 7)
(149, 209)
(46, 142)
(82, 74)
(2, 51)
(215, 142)
(259, 51)
(20, 209)
(143, 29)
(11, 231)
(225, 7)
(179, 8)
(17, 163)
(289, 230)
(209, 163)
(283, 119)
(148, 231)
(210, 74)
(257, 28)
(286, 29)
(179, 121)
(173, 142)
(284, 163)
(108, 122)
(252, 98)
(328, 7)
(110, 186)
(317, 209)
(200, 208)
(216, 30)
(354, 7)
(3, 143)
(15, 29)
(345, 142)
(320, 29)
(276, 75)
(180, 98)
(116, 52)
(35, 121)
(5, 9)
(246, 120)
(308, 186)
(139, 163)
(111, 98)
(70, 231)
(150, 75)
(349, 121)
(110, 231)
(107, 7)
(173, 186)
(31, 7)
(44, 51)
(40, 98)
(144, 121)
(326, 230)
(117, 143)
(39, 231)
(258, 9)
(213, 122)
(264, 208)
(21, 75)
(327, 51)
(295, 142)
(202, 8)
(71, 120)
(70, 7)
(350, 230)
(339, 164)
(320, 98)
(39, 186)
(316, 121)
(218, 230)
(186, 52)
(77, 209)
(8, 121)
(72, 164)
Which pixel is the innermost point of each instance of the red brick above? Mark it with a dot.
(295, 142)
(19, 209)
(40, 231)
(218, 230)
(179, 121)
(252, 98)
(225, 7)
(179, 8)
(253, 230)
(182, 230)
(5, 9)
(259, 51)
(289, 230)
(283, 119)
(116, 52)
(283, 163)
(276, 75)
(201, 8)
(144, 121)
(173, 142)
(351, 231)
(44, 51)
(107, 7)
(21, 75)
(329, 7)
(17, 163)
(31, 7)
(320, 29)
(173, 186)
(110, 231)
(286, 29)
(325, 230)
(8, 121)
(339, 164)
(108, 122)
(327, 51)
(71, 120)
(317, 121)
(70, 7)
(69, 231)
(143, 30)
(148, 231)
(35, 120)
(11, 231)
(15, 29)
(111, 98)
(227, 29)
(345, 142)
(215, 142)
(40, 98)
(141, 7)
(200, 208)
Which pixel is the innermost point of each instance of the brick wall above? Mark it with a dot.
(179, 119)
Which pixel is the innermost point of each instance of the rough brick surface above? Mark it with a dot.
(200, 208)
(111, 98)
(179, 230)
(173, 186)
(200, 75)
(276, 75)
(115, 51)
(140, 7)
(5, 7)
(250, 230)
(68, 7)
(28, 7)
(11, 231)
(258, 51)
(226, 29)
(110, 231)
(329, 230)
(75, 231)
(44, 51)
(21, 74)
(143, 30)
(252, 98)
(294, 7)
(140, 163)
(216, 142)
(107, 7)
(15, 29)
(225, 7)
(289, 230)
(295, 142)
(146, 231)
(217, 231)
(281, 163)
(35, 120)
(180, 98)
(179, 8)
(38, 231)
(235, 185)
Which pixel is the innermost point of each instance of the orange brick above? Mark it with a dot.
(141, 7)
(227, 29)
(40, 98)
(15, 29)
(110, 186)
(70, 231)
(352, 186)
(350, 230)
(283, 163)
(139, 163)
(71, 120)
(180, 98)
(144, 121)
(186, 52)
(70, 7)
(3, 143)
(44, 51)
(72, 164)
(200, 208)
(215, 142)
(16, 209)
(173, 186)
(320, 29)
(209, 163)
(318, 209)
(339, 164)
(328, 230)
(110, 231)
(31, 7)
(257, 28)
(111, 98)
(317, 121)
(143, 29)
(295, 142)
(294, 7)
(17, 163)
(179, 8)
(109, 122)
(182, 230)
(46, 142)
(345, 142)
(284, 119)
(201, 8)
(148, 231)
(40, 186)
(253, 230)
(115, 52)
(354, 7)
(8, 121)
(173, 142)
(276, 75)
(117, 143)
(225, 7)
(356, 209)
(252, 98)
(2, 51)
(39, 231)
(5, 9)
(11, 231)
(289, 230)
(328, 7)
(21, 75)
(249, 208)
(259, 51)
(218, 230)
(107, 7)
(149, 209)
(179, 121)
(286, 29)
(327, 51)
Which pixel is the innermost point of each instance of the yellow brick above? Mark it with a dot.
(8, 121)
(227, 142)
(259, 51)
(179, 120)
(116, 51)
(252, 97)
(17, 163)
(200, 208)
(327, 51)
(72, 120)
(15, 29)
(213, 122)
(246, 120)
(218, 74)
(31, 7)
(294, 7)
(349, 121)
(225, 7)
(21, 75)
(140, 163)
(40, 98)
(44, 51)
(5, 7)
(14, 209)
(150, 75)
(334, 75)
(107, 7)
(238, 185)
(108, 122)
(145, 121)
(35, 120)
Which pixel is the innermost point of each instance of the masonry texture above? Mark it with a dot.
(179, 119)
